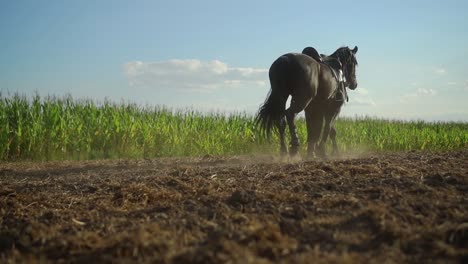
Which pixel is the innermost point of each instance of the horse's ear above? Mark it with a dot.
(355, 49)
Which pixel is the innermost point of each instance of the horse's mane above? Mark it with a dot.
(344, 54)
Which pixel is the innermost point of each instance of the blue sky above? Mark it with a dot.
(215, 55)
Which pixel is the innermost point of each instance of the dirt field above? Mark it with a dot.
(399, 207)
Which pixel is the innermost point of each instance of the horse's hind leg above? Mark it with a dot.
(290, 115)
(282, 129)
(297, 105)
(314, 121)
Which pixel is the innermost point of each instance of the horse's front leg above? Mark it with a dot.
(333, 139)
(326, 131)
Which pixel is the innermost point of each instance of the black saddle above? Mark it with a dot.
(312, 52)
(332, 62)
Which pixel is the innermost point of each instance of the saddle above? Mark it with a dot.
(335, 66)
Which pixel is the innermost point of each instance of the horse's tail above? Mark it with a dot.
(273, 110)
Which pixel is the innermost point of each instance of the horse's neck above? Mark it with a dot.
(331, 61)
(340, 94)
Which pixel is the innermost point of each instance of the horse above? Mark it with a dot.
(327, 110)
(309, 83)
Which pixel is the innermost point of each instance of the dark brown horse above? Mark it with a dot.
(310, 84)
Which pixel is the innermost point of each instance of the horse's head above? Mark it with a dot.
(347, 58)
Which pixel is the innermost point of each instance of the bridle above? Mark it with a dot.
(345, 61)
(345, 65)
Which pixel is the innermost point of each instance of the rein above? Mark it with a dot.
(341, 80)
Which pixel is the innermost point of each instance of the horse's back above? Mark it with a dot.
(294, 67)
(301, 75)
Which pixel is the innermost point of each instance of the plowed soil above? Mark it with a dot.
(396, 207)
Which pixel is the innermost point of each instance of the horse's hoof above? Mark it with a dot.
(295, 158)
(336, 154)
(321, 153)
(311, 156)
(293, 150)
(283, 152)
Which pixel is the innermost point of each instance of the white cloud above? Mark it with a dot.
(425, 92)
(418, 93)
(440, 71)
(361, 91)
(363, 102)
(454, 86)
(421, 92)
(193, 75)
(360, 97)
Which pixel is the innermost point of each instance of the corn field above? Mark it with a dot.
(63, 128)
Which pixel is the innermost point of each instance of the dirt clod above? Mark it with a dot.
(241, 197)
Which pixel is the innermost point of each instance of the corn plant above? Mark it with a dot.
(59, 128)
